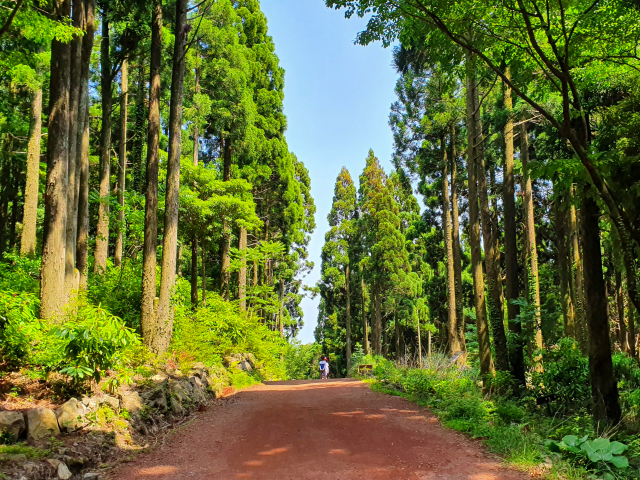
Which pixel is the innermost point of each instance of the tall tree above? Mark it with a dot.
(149, 253)
(122, 160)
(55, 203)
(106, 84)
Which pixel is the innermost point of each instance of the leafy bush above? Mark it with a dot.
(603, 455)
(18, 324)
(208, 334)
(93, 342)
(300, 361)
(564, 384)
(19, 274)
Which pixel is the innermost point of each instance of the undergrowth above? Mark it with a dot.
(515, 426)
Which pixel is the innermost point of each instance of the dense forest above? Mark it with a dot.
(517, 125)
(145, 174)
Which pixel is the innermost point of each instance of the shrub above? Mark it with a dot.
(93, 342)
(208, 334)
(19, 324)
(300, 361)
(564, 383)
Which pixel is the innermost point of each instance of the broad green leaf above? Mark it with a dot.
(620, 462)
(571, 440)
(617, 448)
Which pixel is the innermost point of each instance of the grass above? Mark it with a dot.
(29, 452)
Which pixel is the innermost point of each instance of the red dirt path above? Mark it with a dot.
(334, 430)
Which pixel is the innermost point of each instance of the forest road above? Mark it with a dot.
(336, 429)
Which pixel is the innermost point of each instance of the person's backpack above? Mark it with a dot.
(322, 365)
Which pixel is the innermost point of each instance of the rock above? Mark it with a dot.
(53, 462)
(158, 378)
(113, 402)
(156, 398)
(30, 467)
(42, 423)
(91, 476)
(63, 472)
(131, 402)
(198, 394)
(71, 415)
(12, 422)
(242, 361)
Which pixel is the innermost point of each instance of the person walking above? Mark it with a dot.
(324, 368)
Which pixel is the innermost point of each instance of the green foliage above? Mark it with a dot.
(601, 454)
(209, 334)
(564, 382)
(300, 360)
(18, 324)
(94, 341)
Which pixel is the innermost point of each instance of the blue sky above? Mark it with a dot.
(337, 100)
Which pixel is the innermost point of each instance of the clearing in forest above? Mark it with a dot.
(338, 429)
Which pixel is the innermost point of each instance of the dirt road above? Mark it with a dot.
(317, 430)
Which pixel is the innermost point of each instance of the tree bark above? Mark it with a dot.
(455, 237)
(242, 274)
(454, 343)
(196, 133)
(139, 132)
(55, 204)
(577, 297)
(204, 273)
(365, 325)
(568, 312)
(281, 312)
(225, 276)
(376, 334)
(75, 91)
(5, 190)
(122, 160)
(194, 271)
(102, 234)
(604, 387)
(82, 147)
(165, 314)
(530, 233)
(486, 361)
(634, 298)
(348, 318)
(149, 254)
(490, 241)
(622, 332)
(511, 246)
(32, 186)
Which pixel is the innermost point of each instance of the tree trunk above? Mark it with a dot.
(455, 237)
(376, 334)
(194, 271)
(622, 332)
(55, 202)
(5, 190)
(138, 135)
(348, 318)
(164, 320)
(242, 274)
(454, 344)
(149, 260)
(530, 233)
(365, 324)
(30, 215)
(122, 160)
(102, 234)
(225, 276)
(604, 388)
(15, 204)
(204, 273)
(634, 298)
(82, 147)
(75, 91)
(577, 297)
(511, 246)
(486, 361)
(568, 313)
(196, 133)
(490, 241)
(281, 312)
